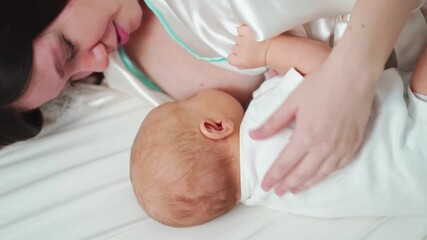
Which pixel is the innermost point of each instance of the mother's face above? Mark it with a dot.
(77, 44)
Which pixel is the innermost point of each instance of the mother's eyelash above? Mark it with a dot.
(70, 47)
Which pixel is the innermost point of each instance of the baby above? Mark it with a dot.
(193, 160)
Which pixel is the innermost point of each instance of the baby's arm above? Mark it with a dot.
(280, 53)
(419, 78)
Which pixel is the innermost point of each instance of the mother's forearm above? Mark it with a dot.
(371, 34)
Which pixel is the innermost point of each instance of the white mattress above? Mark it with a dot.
(72, 182)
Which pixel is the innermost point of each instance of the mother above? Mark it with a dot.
(38, 59)
(49, 43)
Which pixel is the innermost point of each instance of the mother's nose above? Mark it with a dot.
(93, 60)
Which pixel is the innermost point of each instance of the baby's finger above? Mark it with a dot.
(235, 49)
(305, 169)
(286, 161)
(233, 59)
(244, 31)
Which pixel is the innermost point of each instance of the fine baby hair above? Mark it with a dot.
(180, 177)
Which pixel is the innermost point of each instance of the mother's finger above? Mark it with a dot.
(328, 166)
(287, 160)
(279, 120)
(345, 160)
(307, 167)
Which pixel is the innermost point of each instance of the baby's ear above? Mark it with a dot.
(217, 129)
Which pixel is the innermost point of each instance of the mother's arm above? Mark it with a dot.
(419, 78)
(332, 105)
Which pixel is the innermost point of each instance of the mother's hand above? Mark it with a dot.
(331, 108)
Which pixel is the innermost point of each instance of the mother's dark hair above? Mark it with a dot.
(21, 21)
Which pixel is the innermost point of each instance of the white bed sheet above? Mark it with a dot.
(73, 182)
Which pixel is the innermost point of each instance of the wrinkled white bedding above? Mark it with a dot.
(72, 182)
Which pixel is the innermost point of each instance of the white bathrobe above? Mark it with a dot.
(207, 28)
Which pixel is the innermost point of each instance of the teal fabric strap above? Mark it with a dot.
(136, 72)
(176, 38)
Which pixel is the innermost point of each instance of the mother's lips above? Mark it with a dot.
(122, 35)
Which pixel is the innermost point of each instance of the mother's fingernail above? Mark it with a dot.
(266, 186)
(256, 133)
(280, 192)
(296, 190)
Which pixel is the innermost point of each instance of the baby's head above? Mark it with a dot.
(185, 159)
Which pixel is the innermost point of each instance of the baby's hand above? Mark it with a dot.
(248, 53)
